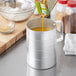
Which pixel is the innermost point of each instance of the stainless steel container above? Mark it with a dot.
(41, 45)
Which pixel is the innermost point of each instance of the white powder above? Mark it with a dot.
(18, 13)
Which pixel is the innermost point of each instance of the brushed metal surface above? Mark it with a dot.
(41, 45)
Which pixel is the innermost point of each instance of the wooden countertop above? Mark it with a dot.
(7, 40)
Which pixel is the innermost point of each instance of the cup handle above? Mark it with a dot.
(61, 30)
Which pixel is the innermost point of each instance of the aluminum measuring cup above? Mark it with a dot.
(42, 45)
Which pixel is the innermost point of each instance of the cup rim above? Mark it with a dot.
(39, 31)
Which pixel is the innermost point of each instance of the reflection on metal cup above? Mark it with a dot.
(41, 45)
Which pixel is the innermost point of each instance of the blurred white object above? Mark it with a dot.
(70, 44)
(24, 5)
(27, 2)
(35, 11)
(16, 14)
(22, 1)
(23, 10)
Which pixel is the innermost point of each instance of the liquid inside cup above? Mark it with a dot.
(36, 25)
(43, 28)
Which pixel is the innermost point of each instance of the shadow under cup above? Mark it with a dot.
(41, 44)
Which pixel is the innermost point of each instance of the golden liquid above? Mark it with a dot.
(40, 29)
(43, 16)
(5, 28)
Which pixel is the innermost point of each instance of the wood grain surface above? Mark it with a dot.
(7, 40)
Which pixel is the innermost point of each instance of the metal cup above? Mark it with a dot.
(42, 45)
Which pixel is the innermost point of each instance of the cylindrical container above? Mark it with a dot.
(60, 12)
(70, 19)
(41, 44)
